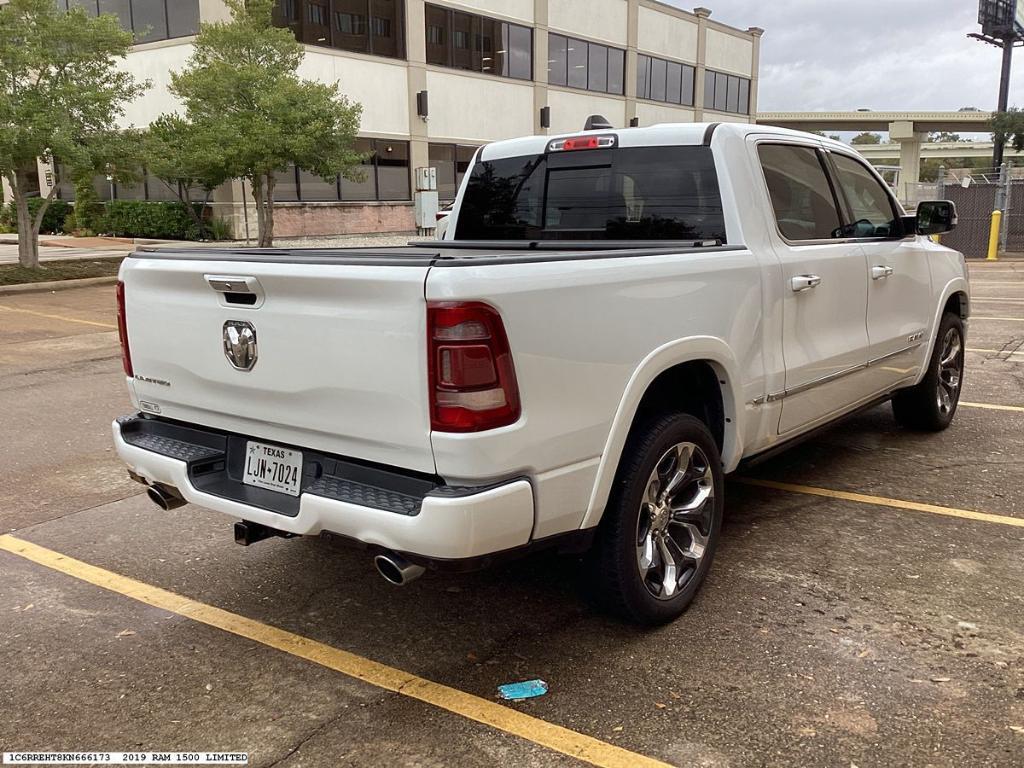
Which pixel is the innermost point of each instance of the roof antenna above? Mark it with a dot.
(597, 123)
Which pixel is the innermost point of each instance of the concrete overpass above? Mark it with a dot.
(907, 129)
(939, 150)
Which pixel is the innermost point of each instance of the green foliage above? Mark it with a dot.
(60, 89)
(181, 152)
(1010, 127)
(866, 138)
(156, 220)
(249, 115)
(88, 208)
(219, 229)
(53, 220)
(944, 137)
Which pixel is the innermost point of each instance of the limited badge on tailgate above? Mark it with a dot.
(273, 468)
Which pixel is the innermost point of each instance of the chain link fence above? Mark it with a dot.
(978, 192)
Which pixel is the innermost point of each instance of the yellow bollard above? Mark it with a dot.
(993, 236)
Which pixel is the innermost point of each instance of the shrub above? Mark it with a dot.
(88, 207)
(157, 220)
(53, 219)
(219, 229)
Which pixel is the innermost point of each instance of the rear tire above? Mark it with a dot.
(930, 405)
(663, 520)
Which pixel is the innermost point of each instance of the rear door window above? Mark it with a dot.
(629, 193)
(802, 197)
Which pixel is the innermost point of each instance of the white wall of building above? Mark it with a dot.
(710, 116)
(570, 110)
(667, 35)
(379, 85)
(729, 53)
(520, 10)
(603, 20)
(154, 63)
(652, 114)
(477, 109)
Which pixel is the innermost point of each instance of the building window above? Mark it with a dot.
(661, 80)
(158, 189)
(391, 160)
(726, 93)
(149, 19)
(385, 176)
(477, 43)
(451, 161)
(120, 8)
(362, 26)
(589, 66)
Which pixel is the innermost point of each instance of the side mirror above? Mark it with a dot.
(935, 217)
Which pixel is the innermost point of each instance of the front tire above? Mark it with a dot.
(931, 405)
(663, 520)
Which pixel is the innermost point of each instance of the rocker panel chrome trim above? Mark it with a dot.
(776, 396)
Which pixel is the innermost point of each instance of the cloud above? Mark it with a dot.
(873, 54)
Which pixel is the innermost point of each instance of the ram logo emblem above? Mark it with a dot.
(240, 344)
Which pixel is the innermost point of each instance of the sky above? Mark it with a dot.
(870, 54)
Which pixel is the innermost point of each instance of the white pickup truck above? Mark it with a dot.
(614, 321)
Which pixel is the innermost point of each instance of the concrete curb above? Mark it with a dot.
(55, 285)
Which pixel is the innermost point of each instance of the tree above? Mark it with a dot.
(866, 138)
(944, 137)
(185, 158)
(252, 115)
(60, 93)
(1009, 126)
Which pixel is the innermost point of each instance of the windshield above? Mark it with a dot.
(631, 193)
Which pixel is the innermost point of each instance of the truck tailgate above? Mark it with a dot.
(341, 353)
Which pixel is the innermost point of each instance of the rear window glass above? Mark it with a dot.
(631, 193)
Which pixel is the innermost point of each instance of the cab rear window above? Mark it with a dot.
(621, 193)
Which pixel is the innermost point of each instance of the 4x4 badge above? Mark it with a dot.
(240, 344)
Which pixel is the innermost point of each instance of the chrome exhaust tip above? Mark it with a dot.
(165, 497)
(396, 569)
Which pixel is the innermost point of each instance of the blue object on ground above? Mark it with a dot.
(527, 689)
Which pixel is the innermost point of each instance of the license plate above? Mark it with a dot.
(273, 468)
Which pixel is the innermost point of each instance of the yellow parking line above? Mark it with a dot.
(490, 713)
(994, 406)
(881, 501)
(57, 317)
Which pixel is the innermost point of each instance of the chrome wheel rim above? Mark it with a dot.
(951, 367)
(674, 524)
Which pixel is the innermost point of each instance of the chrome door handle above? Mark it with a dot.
(805, 282)
(880, 272)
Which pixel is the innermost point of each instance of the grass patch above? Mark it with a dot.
(74, 269)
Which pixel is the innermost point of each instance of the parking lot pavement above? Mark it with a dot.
(885, 627)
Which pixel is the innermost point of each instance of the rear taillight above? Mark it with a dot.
(122, 331)
(472, 379)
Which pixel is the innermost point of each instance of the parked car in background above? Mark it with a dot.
(443, 216)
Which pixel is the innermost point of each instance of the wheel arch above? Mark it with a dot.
(955, 297)
(698, 368)
(959, 302)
